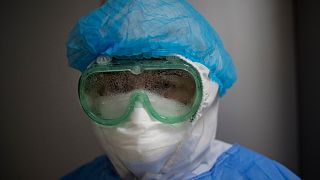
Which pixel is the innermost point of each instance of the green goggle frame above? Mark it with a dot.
(136, 66)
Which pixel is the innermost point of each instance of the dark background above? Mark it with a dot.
(307, 19)
(44, 133)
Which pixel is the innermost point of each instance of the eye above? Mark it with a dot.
(166, 85)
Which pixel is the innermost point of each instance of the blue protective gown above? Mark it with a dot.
(236, 163)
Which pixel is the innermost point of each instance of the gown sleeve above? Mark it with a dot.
(98, 169)
(239, 163)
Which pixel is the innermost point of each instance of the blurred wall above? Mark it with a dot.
(44, 133)
(260, 111)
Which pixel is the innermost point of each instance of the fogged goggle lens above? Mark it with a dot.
(171, 93)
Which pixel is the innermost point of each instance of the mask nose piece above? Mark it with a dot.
(140, 118)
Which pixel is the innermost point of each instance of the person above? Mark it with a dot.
(153, 72)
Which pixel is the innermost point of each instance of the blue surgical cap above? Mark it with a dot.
(150, 28)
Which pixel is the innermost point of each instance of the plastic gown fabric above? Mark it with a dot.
(236, 163)
(150, 28)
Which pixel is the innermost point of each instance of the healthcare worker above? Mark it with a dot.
(153, 72)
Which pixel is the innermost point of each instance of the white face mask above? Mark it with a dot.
(142, 144)
(148, 149)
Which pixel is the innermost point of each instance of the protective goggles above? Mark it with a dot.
(168, 88)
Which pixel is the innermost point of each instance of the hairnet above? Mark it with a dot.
(150, 28)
